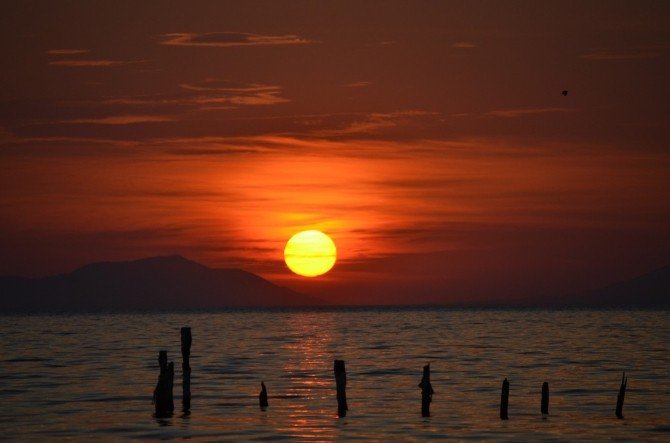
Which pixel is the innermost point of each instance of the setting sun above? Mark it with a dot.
(310, 253)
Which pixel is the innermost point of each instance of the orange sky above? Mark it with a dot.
(430, 140)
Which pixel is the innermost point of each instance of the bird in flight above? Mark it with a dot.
(565, 92)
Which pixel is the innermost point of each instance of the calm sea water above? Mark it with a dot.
(87, 377)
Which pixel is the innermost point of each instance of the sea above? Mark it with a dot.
(90, 377)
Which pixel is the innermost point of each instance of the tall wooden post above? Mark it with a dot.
(263, 397)
(341, 384)
(504, 400)
(620, 397)
(545, 398)
(426, 392)
(163, 392)
(186, 340)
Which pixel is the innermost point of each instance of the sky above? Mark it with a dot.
(430, 140)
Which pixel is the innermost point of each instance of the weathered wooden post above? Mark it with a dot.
(263, 397)
(426, 392)
(545, 398)
(504, 400)
(186, 340)
(620, 397)
(163, 392)
(341, 383)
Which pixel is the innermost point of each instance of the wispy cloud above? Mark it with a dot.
(93, 63)
(210, 92)
(361, 84)
(514, 113)
(213, 84)
(464, 45)
(50, 141)
(120, 120)
(373, 123)
(606, 54)
(229, 39)
(68, 51)
(256, 99)
(226, 92)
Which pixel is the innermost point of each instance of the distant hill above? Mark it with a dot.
(650, 290)
(647, 291)
(155, 283)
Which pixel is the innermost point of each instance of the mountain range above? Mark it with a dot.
(650, 290)
(157, 283)
(174, 282)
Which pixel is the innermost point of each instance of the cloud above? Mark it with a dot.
(93, 63)
(120, 120)
(209, 94)
(201, 101)
(213, 84)
(230, 39)
(606, 54)
(464, 45)
(373, 123)
(362, 84)
(243, 99)
(217, 145)
(514, 113)
(67, 51)
(213, 151)
(222, 92)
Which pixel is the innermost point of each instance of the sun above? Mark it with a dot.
(310, 253)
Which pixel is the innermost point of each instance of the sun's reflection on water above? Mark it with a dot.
(308, 368)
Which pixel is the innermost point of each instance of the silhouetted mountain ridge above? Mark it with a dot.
(650, 290)
(174, 282)
(156, 283)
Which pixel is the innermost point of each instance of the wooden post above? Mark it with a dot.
(186, 340)
(341, 383)
(545, 398)
(263, 397)
(504, 400)
(426, 392)
(163, 392)
(620, 397)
